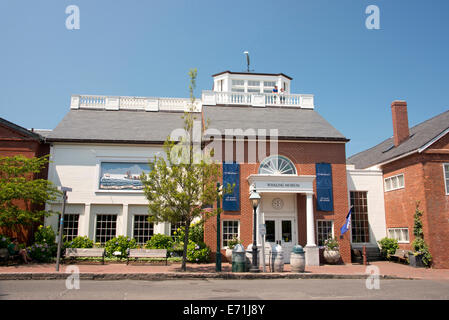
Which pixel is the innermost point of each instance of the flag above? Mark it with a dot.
(347, 223)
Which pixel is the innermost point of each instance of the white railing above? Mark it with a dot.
(183, 104)
(258, 99)
(92, 101)
(132, 103)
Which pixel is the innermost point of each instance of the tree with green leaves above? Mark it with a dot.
(182, 182)
(21, 194)
(419, 246)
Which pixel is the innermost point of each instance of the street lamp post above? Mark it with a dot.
(61, 222)
(255, 200)
(218, 255)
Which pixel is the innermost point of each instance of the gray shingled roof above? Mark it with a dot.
(292, 123)
(22, 130)
(116, 126)
(420, 135)
(43, 132)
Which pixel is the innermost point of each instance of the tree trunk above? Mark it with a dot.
(186, 242)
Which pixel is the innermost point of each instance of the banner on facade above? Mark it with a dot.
(231, 175)
(324, 187)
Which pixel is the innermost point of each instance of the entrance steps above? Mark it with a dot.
(372, 254)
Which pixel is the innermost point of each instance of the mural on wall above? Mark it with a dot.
(122, 175)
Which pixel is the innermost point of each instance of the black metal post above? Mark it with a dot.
(218, 255)
(254, 267)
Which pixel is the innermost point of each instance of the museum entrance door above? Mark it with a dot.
(281, 230)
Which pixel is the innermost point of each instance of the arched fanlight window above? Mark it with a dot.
(277, 165)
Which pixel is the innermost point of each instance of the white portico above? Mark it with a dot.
(279, 209)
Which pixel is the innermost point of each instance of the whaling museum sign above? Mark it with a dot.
(282, 183)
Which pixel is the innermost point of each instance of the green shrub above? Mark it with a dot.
(420, 248)
(79, 242)
(4, 241)
(388, 246)
(196, 233)
(45, 235)
(198, 252)
(42, 252)
(233, 242)
(44, 248)
(331, 244)
(120, 244)
(160, 241)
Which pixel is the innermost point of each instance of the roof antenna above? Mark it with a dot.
(247, 61)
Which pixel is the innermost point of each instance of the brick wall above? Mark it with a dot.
(14, 143)
(424, 182)
(304, 155)
(400, 121)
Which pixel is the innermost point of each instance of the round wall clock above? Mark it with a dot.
(277, 203)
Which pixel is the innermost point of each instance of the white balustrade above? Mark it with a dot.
(183, 104)
(258, 99)
(92, 101)
(132, 103)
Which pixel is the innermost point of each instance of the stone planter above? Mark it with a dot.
(331, 256)
(416, 261)
(228, 255)
(297, 259)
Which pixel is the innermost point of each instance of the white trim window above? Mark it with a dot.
(400, 234)
(277, 165)
(230, 229)
(71, 226)
(238, 86)
(106, 227)
(325, 230)
(143, 230)
(359, 217)
(394, 182)
(446, 176)
(254, 86)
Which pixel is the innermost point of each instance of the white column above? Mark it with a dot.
(310, 221)
(312, 251)
(162, 228)
(84, 223)
(125, 222)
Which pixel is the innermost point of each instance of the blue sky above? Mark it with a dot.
(146, 48)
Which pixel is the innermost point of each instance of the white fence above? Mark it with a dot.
(132, 103)
(258, 99)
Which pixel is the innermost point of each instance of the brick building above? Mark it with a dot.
(102, 141)
(286, 178)
(15, 140)
(415, 167)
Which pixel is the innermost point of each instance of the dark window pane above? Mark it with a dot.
(286, 231)
(270, 235)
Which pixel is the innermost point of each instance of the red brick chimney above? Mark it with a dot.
(400, 121)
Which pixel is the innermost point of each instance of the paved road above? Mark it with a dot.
(275, 289)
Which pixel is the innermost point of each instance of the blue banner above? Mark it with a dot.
(347, 224)
(325, 201)
(231, 175)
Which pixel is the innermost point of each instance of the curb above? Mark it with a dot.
(187, 275)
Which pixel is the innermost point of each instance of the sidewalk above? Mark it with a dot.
(146, 271)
